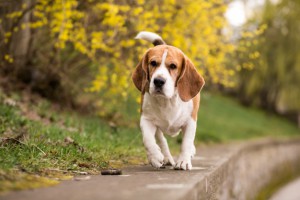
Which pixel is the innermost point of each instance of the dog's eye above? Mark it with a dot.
(153, 63)
(173, 66)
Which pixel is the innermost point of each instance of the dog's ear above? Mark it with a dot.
(140, 75)
(190, 82)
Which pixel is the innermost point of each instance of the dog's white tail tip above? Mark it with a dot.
(151, 37)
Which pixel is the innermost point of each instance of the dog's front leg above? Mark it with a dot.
(154, 154)
(187, 147)
(168, 159)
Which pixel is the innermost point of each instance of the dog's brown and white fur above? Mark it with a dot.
(170, 87)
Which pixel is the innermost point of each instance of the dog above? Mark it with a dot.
(170, 86)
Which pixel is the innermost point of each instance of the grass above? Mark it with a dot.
(222, 119)
(60, 144)
(78, 141)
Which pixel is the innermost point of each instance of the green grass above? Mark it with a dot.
(60, 144)
(222, 119)
(63, 143)
(42, 146)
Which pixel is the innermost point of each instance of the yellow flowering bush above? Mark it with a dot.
(103, 32)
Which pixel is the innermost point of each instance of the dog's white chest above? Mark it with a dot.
(170, 115)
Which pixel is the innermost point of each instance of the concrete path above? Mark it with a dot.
(289, 192)
(224, 172)
(141, 182)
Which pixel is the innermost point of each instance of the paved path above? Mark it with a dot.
(142, 182)
(232, 171)
(289, 192)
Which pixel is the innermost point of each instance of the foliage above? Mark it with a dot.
(103, 32)
(274, 82)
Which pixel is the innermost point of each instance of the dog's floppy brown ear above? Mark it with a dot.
(140, 75)
(190, 82)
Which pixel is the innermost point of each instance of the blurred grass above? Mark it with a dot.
(222, 119)
(64, 143)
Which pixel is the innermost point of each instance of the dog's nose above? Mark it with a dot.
(159, 82)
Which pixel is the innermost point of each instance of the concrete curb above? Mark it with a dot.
(250, 168)
(231, 171)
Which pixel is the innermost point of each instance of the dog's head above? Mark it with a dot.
(164, 70)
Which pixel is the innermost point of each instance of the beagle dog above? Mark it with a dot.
(170, 87)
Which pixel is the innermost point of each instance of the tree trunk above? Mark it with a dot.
(21, 39)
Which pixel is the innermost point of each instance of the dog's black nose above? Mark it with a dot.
(159, 82)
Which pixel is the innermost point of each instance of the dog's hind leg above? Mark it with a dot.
(162, 142)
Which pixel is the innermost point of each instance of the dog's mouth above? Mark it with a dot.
(159, 91)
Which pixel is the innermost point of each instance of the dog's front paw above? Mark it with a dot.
(184, 162)
(156, 159)
(169, 161)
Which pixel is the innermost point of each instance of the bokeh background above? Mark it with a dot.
(71, 51)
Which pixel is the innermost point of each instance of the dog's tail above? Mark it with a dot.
(151, 37)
